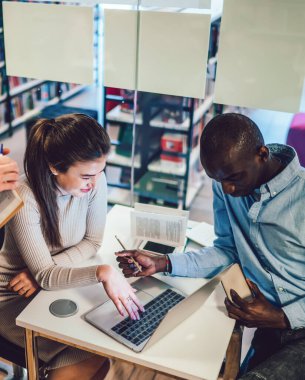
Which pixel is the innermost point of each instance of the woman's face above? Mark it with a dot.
(81, 177)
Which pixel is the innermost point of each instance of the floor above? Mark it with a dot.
(274, 126)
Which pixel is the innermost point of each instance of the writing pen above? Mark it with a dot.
(1, 149)
(131, 258)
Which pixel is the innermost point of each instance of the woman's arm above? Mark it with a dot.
(26, 231)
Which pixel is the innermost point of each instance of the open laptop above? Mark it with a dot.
(165, 308)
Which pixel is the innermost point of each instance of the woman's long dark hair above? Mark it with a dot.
(59, 143)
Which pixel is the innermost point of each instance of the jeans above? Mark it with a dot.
(279, 355)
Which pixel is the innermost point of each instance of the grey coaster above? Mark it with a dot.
(63, 308)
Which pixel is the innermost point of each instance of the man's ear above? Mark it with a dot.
(263, 153)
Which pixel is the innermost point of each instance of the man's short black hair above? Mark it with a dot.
(230, 131)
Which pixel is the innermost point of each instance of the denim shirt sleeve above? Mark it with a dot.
(208, 261)
(295, 312)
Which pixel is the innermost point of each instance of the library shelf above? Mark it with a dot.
(119, 160)
(19, 90)
(32, 113)
(174, 168)
(70, 93)
(183, 127)
(3, 98)
(123, 117)
(4, 128)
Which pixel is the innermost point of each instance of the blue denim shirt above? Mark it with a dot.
(265, 234)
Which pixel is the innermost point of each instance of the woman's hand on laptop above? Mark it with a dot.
(150, 264)
(119, 291)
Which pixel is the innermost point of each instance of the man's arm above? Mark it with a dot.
(208, 261)
(205, 262)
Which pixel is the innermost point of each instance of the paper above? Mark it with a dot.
(202, 234)
(261, 56)
(120, 44)
(49, 42)
(159, 224)
(173, 52)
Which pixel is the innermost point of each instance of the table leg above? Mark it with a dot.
(31, 355)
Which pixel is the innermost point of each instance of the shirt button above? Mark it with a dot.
(280, 289)
(274, 193)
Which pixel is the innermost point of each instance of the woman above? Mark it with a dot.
(61, 224)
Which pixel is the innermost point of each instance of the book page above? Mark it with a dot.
(10, 202)
(166, 229)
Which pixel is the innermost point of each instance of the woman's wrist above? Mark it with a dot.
(103, 272)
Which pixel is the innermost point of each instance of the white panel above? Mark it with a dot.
(261, 60)
(120, 48)
(205, 4)
(93, 2)
(173, 50)
(53, 42)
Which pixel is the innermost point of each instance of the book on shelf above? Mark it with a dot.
(159, 185)
(10, 203)
(173, 143)
(174, 111)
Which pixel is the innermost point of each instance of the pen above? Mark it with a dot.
(1, 149)
(131, 258)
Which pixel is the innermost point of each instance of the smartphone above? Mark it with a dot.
(157, 248)
(235, 279)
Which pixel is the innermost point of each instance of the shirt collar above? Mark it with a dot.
(288, 156)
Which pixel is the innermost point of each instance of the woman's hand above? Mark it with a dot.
(150, 264)
(9, 172)
(119, 291)
(23, 284)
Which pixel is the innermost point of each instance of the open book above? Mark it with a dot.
(159, 224)
(10, 203)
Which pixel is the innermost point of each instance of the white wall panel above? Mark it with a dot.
(261, 60)
(120, 43)
(173, 50)
(53, 42)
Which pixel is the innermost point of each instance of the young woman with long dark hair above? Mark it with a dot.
(61, 224)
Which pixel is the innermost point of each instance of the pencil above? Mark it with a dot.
(131, 258)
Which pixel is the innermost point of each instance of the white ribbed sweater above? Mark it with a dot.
(81, 225)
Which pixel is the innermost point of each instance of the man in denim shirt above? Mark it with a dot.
(259, 200)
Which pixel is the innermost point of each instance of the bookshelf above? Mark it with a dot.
(21, 99)
(170, 177)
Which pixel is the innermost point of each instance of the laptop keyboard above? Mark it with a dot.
(138, 331)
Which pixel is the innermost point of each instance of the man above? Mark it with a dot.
(259, 197)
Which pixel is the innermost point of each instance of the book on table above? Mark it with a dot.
(10, 203)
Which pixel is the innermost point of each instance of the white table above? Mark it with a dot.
(193, 350)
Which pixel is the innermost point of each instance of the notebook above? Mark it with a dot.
(202, 234)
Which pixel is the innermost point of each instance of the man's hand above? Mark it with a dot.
(24, 284)
(150, 264)
(258, 312)
(9, 172)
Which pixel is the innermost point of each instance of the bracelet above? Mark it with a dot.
(166, 272)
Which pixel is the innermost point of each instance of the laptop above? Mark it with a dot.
(165, 308)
